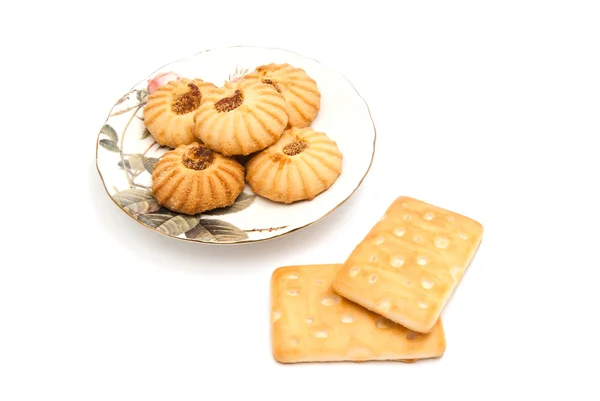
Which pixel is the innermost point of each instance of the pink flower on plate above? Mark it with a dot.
(160, 80)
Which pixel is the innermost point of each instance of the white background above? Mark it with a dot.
(490, 109)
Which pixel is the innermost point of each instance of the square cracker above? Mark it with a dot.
(410, 262)
(311, 323)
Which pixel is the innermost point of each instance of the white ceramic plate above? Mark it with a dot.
(126, 153)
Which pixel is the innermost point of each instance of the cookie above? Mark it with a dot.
(193, 179)
(410, 263)
(310, 323)
(301, 93)
(300, 166)
(169, 113)
(242, 117)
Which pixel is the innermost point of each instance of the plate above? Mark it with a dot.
(126, 152)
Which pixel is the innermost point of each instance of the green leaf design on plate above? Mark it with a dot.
(136, 201)
(212, 230)
(168, 222)
(149, 163)
(110, 132)
(145, 134)
(109, 145)
(242, 202)
(136, 161)
(200, 233)
(124, 163)
(142, 95)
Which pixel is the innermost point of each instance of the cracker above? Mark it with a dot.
(410, 263)
(310, 323)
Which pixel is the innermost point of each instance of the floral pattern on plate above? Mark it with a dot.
(127, 153)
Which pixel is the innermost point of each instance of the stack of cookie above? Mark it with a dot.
(265, 116)
(385, 301)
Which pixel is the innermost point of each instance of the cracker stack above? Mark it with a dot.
(384, 302)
